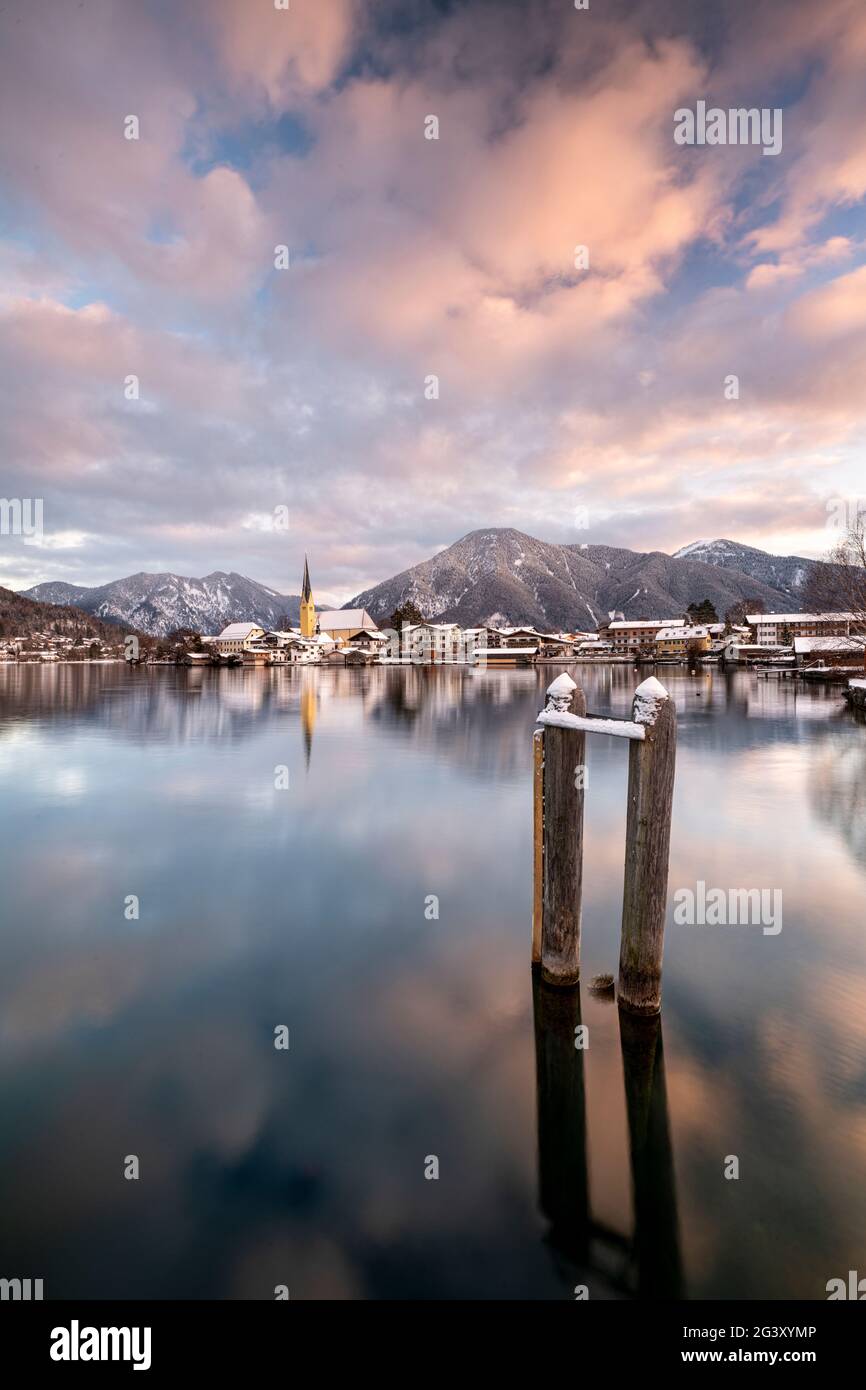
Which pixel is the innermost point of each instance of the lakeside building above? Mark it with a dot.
(634, 635)
(257, 654)
(344, 624)
(237, 638)
(814, 652)
(292, 638)
(680, 641)
(547, 644)
(370, 640)
(507, 656)
(772, 628)
(749, 653)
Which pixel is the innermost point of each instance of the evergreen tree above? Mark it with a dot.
(407, 612)
(703, 612)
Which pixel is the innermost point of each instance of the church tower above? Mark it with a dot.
(308, 608)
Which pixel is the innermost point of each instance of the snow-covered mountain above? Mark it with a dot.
(499, 576)
(786, 573)
(159, 603)
(507, 578)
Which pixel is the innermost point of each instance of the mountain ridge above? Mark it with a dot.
(505, 576)
(495, 574)
(157, 603)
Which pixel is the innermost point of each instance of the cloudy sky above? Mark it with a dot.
(578, 404)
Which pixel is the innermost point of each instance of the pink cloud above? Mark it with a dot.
(836, 309)
(412, 257)
(287, 51)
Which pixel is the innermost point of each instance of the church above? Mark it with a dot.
(342, 625)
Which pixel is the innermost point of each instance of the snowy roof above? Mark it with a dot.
(337, 620)
(648, 622)
(829, 644)
(532, 632)
(238, 632)
(798, 617)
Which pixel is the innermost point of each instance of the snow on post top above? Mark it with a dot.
(647, 699)
(563, 685)
(651, 689)
(559, 693)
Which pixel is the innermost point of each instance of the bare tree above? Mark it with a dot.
(736, 614)
(838, 583)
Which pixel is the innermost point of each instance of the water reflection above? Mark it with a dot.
(656, 1232)
(563, 1173)
(608, 1262)
(838, 789)
(412, 1036)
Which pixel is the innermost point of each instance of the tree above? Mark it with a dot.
(406, 612)
(837, 584)
(736, 614)
(703, 612)
(694, 650)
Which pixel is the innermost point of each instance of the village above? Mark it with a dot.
(825, 646)
(825, 643)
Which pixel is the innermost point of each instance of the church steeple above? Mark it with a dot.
(308, 607)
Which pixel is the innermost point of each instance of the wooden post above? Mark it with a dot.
(537, 842)
(562, 849)
(647, 845)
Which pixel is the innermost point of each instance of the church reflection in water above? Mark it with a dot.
(610, 1264)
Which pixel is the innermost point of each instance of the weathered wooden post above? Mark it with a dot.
(561, 867)
(537, 842)
(647, 845)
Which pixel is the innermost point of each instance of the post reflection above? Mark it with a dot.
(656, 1242)
(647, 1264)
(563, 1174)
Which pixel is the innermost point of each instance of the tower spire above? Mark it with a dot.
(308, 607)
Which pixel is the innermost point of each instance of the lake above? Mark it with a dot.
(285, 833)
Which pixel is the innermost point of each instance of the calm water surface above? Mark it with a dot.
(412, 1037)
